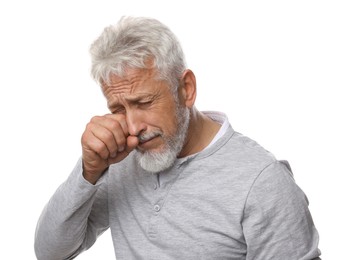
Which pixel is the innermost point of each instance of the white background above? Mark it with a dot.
(275, 67)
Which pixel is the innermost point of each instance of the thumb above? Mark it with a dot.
(132, 143)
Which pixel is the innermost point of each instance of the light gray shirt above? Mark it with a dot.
(233, 200)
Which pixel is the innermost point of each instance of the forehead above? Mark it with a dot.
(137, 84)
(132, 81)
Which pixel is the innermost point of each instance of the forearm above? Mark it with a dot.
(62, 228)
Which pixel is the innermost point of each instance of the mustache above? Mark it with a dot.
(146, 136)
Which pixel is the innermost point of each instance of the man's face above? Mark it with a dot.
(152, 115)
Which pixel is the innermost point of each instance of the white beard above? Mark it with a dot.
(156, 162)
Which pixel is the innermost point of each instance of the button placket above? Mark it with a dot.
(161, 186)
(157, 207)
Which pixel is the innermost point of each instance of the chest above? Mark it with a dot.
(177, 216)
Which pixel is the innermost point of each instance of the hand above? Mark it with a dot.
(105, 141)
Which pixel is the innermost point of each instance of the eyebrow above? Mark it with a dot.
(132, 99)
(138, 97)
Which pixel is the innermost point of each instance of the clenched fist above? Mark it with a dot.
(106, 140)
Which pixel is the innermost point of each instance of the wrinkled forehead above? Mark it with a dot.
(130, 81)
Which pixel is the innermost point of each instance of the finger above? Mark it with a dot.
(93, 145)
(107, 140)
(121, 119)
(117, 141)
(132, 143)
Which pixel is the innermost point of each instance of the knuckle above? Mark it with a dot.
(106, 137)
(121, 140)
(121, 117)
(114, 124)
(100, 149)
(89, 126)
(85, 138)
(95, 119)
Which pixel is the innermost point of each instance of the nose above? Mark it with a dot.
(135, 122)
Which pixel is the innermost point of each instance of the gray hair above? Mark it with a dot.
(133, 41)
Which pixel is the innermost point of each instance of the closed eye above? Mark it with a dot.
(144, 103)
(118, 110)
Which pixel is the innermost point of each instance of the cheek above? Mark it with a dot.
(162, 115)
(170, 125)
(165, 121)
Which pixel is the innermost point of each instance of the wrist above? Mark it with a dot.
(90, 176)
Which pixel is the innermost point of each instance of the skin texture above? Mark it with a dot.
(143, 110)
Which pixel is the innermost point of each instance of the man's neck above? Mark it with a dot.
(201, 132)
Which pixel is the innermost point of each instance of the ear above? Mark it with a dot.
(188, 90)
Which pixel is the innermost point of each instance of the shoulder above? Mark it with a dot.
(239, 155)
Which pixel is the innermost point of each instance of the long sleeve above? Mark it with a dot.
(277, 223)
(73, 218)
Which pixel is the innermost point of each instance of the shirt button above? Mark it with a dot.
(157, 208)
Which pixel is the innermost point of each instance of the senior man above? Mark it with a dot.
(170, 182)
